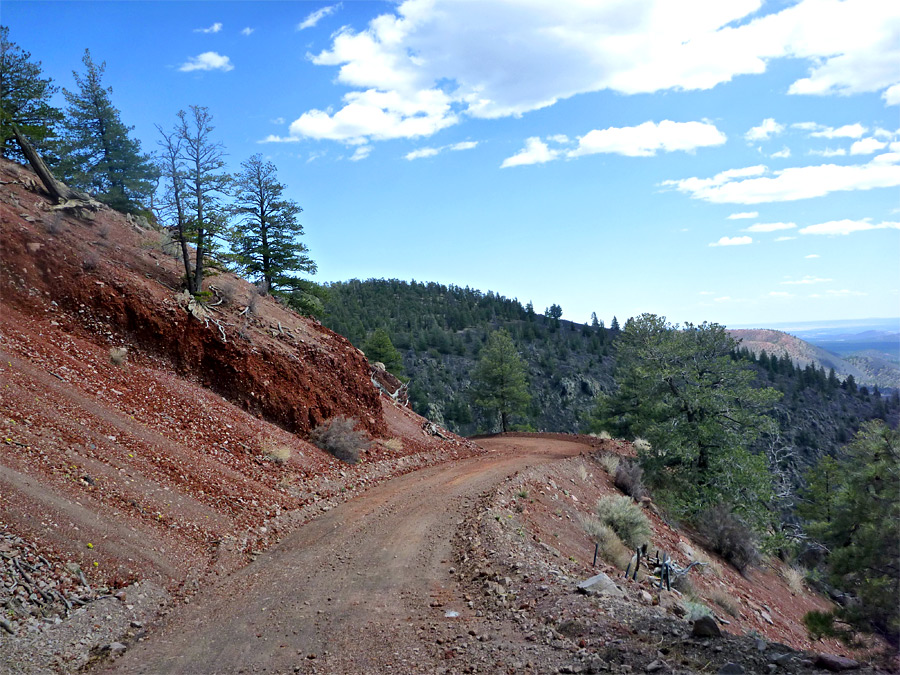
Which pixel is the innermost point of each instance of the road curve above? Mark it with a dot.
(346, 592)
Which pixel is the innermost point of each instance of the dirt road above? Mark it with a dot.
(350, 591)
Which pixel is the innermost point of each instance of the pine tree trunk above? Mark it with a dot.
(57, 189)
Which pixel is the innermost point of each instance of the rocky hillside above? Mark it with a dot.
(867, 369)
(146, 439)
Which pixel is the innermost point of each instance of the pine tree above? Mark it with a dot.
(25, 101)
(194, 184)
(98, 155)
(614, 326)
(500, 384)
(854, 510)
(264, 240)
(700, 409)
(380, 348)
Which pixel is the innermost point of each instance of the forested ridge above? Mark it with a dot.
(440, 330)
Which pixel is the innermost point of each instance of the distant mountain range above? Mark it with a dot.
(869, 350)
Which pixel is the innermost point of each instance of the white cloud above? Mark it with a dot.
(805, 281)
(844, 293)
(866, 146)
(247, 31)
(803, 182)
(562, 139)
(421, 152)
(745, 215)
(315, 17)
(784, 153)
(534, 152)
(361, 152)
(646, 139)
(278, 120)
(828, 152)
(431, 152)
(497, 58)
(812, 256)
(845, 227)
(215, 28)
(846, 131)
(207, 61)
(770, 227)
(376, 115)
(733, 241)
(764, 131)
(891, 95)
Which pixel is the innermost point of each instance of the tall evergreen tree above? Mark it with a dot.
(98, 155)
(853, 508)
(25, 101)
(380, 348)
(194, 183)
(500, 383)
(699, 408)
(264, 240)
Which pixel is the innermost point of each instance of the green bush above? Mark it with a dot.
(339, 437)
(625, 518)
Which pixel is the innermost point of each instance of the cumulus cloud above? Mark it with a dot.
(378, 115)
(803, 182)
(495, 58)
(891, 95)
(867, 146)
(534, 152)
(805, 281)
(733, 241)
(315, 17)
(764, 131)
(846, 226)
(465, 145)
(744, 215)
(215, 28)
(646, 139)
(207, 61)
(247, 31)
(770, 227)
(784, 153)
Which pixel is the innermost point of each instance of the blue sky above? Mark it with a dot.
(736, 162)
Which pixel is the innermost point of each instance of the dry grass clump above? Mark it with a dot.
(726, 602)
(118, 356)
(641, 444)
(794, 578)
(603, 436)
(339, 437)
(583, 473)
(91, 261)
(278, 454)
(393, 444)
(625, 518)
(610, 547)
(729, 537)
(610, 463)
(629, 479)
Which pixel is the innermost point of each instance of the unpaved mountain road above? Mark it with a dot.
(350, 591)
